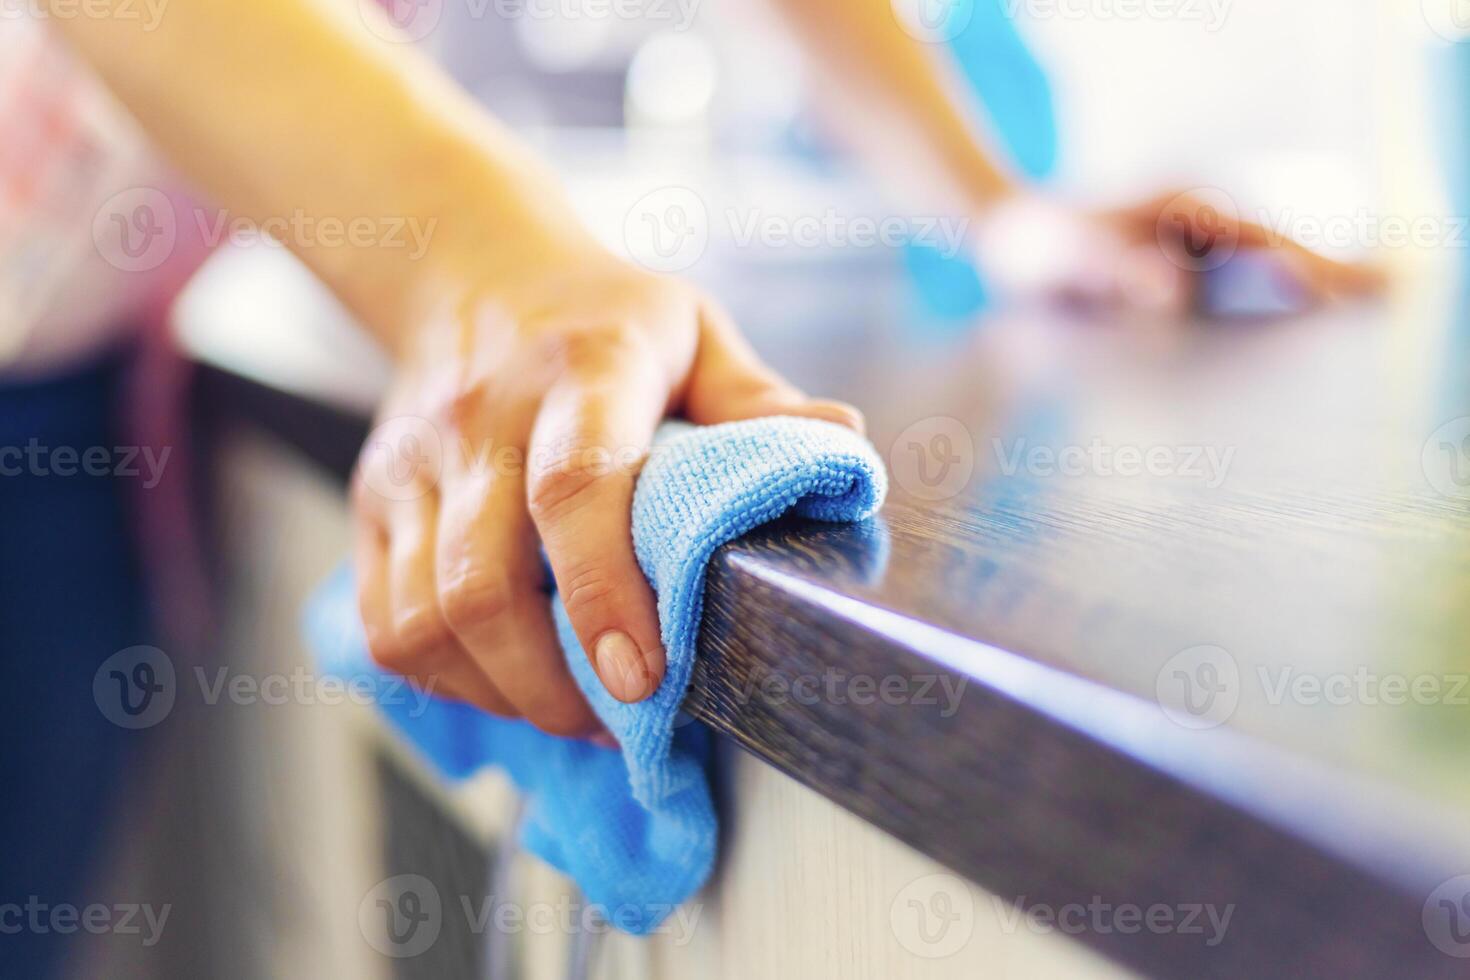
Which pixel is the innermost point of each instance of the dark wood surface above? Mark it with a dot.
(1054, 766)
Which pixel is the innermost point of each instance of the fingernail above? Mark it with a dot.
(603, 739)
(839, 412)
(621, 667)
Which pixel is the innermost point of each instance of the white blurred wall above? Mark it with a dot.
(1322, 104)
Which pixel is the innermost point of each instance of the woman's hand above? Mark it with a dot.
(520, 420)
(1150, 256)
(533, 367)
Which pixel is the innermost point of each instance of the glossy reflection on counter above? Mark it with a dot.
(1262, 525)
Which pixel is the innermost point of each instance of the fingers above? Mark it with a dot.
(449, 598)
(488, 573)
(1192, 218)
(396, 640)
(418, 620)
(450, 578)
(729, 382)
(1323, 277)
(590, 439)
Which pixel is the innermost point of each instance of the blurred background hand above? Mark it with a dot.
(1152, 256)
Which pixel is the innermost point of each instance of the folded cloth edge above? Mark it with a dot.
(700, 488)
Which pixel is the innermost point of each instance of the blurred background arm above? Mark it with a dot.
(898, 94)
(898, 103)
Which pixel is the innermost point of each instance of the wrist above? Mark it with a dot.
(481, 219)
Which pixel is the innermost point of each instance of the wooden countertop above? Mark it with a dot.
(1234, 673)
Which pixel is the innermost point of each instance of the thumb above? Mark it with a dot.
(729, 382)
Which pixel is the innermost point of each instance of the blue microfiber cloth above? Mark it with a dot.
(635, 829)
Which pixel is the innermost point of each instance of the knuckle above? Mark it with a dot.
(586, 351)
(561, 484)
(473, 598)
(420, 629)
(587, 587)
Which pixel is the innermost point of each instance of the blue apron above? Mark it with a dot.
(70, 597)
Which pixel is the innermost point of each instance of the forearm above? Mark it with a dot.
(899, 99)
(284, 108)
